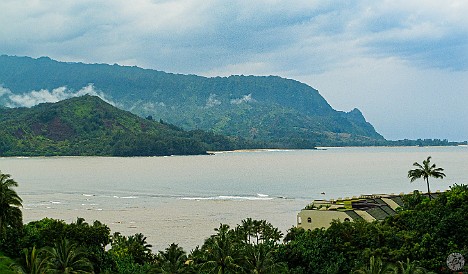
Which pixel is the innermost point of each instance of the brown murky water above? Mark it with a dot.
(182, 199)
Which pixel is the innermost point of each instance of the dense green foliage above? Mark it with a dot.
(425, 142)
(89, 126)
(65, 257)
(5, 264)
(10, 203)
(281, 111)
(424, 230)
(417, 239)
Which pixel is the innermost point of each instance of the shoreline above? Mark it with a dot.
(215, 152)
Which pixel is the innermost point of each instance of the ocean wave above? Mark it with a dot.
(230, 198)
(31, 205)
(124, 197)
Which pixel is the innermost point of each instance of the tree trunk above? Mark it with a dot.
(428, 190)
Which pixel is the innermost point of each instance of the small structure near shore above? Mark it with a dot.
(320, 213)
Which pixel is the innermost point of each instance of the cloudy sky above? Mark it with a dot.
(404, 64)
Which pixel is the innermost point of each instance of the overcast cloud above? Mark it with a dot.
(403, 63)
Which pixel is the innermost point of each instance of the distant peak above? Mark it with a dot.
(356, 115)
(355, 111)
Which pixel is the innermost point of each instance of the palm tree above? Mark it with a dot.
(140, 249)
(257, 231)
(425, 171)
(269, 233)
(376, 266)
(134, 247)
(247, 229)
(7, 265)
(219, 253)
(34, 262)
(10, 203)
(409, 268)
(260, 259)
(67, 258)
(171, 261)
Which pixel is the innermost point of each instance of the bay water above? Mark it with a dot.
(182, 199)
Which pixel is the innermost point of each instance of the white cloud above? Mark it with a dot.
(244, 99)
(150, 106)
(35, 97)
(196, 36)
(362, 48)
(4, 91)
(212, 101)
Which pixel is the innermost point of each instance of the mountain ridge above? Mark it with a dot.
(88, 126)
(281, 111)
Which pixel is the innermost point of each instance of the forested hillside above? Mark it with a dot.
(283, 112)
(89, 126)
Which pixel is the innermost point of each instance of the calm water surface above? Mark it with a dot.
(182, 199)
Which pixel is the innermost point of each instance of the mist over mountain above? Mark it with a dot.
(283, 112)
(89, 126)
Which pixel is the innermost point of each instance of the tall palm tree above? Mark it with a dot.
(269, 233)
(247, 229)
(257, 231)
(10, 203)
(67, 258)
(425, 171)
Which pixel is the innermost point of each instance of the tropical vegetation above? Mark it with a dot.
(280, 111)
(10, 203)
(417, 239)
(425, 171)
(89, 126)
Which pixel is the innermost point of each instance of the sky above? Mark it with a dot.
(404, 64)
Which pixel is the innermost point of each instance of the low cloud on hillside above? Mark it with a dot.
(35, 97)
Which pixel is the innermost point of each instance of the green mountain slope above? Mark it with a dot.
(281, 111)
(89, 126)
